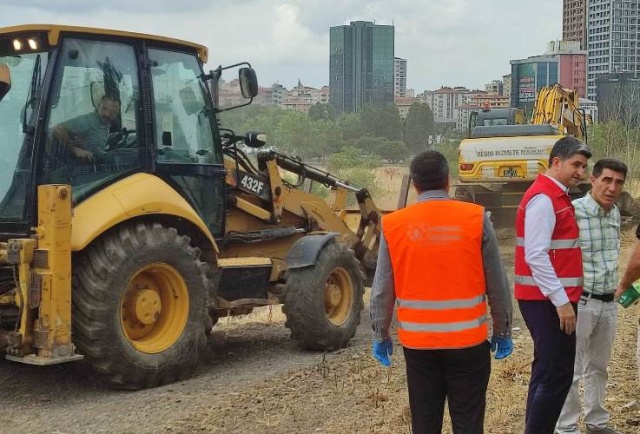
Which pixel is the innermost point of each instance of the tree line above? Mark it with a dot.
(375, 133)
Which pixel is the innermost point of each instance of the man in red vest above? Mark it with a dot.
(548, 280)
(438, 262)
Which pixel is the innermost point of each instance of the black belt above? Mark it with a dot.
(601, 297)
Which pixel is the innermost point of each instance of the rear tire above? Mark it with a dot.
(323, 302)
(140, 305)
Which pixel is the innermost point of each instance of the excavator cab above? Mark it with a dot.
(488, 117)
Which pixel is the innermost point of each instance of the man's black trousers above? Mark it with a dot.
(554, 354)
(461, 376)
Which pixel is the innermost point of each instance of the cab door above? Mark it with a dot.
(188, 152)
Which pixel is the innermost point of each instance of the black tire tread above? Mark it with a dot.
(94, 298)
(304, 302)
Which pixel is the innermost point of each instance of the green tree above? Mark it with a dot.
(350, 165)
(321, 112)
(295, 135)
(618, 140)
(347, 157)
(369, 144)
(390, 122)
(350, 126)
(328, 138)
(381, 121)
(244, 119)
(418, 126)
(393, 151)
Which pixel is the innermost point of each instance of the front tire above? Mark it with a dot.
(140, 305)
(323, 302)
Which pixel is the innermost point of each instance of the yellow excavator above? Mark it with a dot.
(124, 240)
(497, 163)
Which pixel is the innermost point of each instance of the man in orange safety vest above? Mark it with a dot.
(438, 262)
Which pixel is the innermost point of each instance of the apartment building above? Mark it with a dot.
(444, 103)
(574, 22)
(506, 85)
(400, 77)
(495, 87)
(613, 39)
(301, 98)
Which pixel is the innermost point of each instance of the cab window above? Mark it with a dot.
(93, 125)
(182, 110)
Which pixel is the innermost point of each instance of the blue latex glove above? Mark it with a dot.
(504, 347)
(381, 351)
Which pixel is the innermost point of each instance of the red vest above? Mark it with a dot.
(565, 253)
(436, 254)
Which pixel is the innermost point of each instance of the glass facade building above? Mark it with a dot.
(528, 76)
(361, 66)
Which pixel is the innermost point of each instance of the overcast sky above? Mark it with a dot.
(446, 42)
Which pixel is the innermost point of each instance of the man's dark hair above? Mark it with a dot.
(567, 147)
(111, 97)
(429, 170)
(611, 164)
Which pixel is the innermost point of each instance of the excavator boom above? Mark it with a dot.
(560, 107)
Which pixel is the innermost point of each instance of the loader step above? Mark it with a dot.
(261, 235)
(32, 359)
(244, 278)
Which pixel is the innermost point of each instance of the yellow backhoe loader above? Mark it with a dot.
(128, 227)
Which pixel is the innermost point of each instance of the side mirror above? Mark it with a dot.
(255, 139)
(248, 82)
(5, 80)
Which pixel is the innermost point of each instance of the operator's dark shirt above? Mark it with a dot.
(90, 130)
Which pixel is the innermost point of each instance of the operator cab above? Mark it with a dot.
(85, 108)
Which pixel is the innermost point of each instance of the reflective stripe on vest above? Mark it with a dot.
(566, 281)
(441, 305)
(556, 244)
(442, 327)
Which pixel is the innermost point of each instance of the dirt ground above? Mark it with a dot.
(254, 379)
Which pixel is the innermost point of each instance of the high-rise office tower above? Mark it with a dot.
(613, 39)
(361, 66)
(574, 21)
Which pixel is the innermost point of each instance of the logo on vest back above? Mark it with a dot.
(433, 234)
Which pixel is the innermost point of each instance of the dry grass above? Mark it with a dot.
(350, 393)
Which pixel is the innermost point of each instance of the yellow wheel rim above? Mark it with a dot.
(155, 308)
(338, 296)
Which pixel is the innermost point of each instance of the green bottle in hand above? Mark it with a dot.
(630, 296)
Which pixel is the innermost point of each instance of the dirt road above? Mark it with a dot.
(254, 379)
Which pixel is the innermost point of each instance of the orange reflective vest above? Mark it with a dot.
(436, 254)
